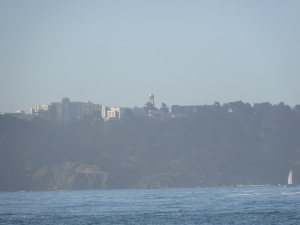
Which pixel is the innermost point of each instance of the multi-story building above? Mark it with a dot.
(109, 113)
(45, 112)
(19, 114)
(66, 110)
(177, 110)
(138, 112)
(201, 110)
(184, 110)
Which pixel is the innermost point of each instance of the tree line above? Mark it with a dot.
(229, 144)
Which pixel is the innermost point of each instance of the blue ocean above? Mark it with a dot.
(218, 205)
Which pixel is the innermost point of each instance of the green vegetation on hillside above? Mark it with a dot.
(229, 144)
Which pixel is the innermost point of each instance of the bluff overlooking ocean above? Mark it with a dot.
(244, 145)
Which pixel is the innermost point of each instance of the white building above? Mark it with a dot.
(109, 113)
(45, 112)
(66, 110)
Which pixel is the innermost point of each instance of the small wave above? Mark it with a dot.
(280, 193)
(241, 194)
(290, 193)
(253, 185)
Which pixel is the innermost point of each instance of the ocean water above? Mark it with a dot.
(220, 205)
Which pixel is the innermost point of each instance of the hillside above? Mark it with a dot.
(235, 143)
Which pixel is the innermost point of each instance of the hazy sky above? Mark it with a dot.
(116, 53)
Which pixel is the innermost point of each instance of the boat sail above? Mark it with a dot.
(290, 178)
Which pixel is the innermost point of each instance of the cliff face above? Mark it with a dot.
(243, 145)
(70, 176)
(65, 176)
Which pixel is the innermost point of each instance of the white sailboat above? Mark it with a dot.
(290, 179)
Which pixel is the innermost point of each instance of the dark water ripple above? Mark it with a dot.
(222, 205)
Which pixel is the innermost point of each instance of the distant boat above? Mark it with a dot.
(290, 179)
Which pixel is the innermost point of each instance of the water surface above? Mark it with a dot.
(221, 205)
